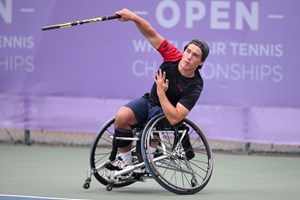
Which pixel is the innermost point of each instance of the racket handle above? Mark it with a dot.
(110, 17)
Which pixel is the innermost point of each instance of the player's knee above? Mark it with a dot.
(124, 117)
(123, 133)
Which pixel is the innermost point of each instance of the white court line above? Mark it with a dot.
(36, 197)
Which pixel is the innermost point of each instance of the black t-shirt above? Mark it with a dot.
(181, 89)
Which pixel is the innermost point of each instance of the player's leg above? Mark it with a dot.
(134, 112)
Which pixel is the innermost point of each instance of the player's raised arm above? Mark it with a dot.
(143, 25)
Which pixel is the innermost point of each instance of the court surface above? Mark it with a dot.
(47, 172)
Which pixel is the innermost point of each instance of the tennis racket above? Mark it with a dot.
(81, 22)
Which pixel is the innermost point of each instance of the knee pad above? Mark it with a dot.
(123, 133)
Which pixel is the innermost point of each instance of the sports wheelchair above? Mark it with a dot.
(182, 162)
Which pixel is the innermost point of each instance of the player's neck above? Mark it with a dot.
(186, 71)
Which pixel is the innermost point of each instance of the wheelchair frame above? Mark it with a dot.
(182, 163)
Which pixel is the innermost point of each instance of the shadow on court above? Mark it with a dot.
(47, 172)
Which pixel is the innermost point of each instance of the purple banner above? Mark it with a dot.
(253, 61)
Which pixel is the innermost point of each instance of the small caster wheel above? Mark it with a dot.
(86, 184)
(109, 187)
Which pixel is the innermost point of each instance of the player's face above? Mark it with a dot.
(192, 56)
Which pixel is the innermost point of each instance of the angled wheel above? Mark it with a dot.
(99, 155)
(183, 161)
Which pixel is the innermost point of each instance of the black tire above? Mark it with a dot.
(100, 152)
(173, 169)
